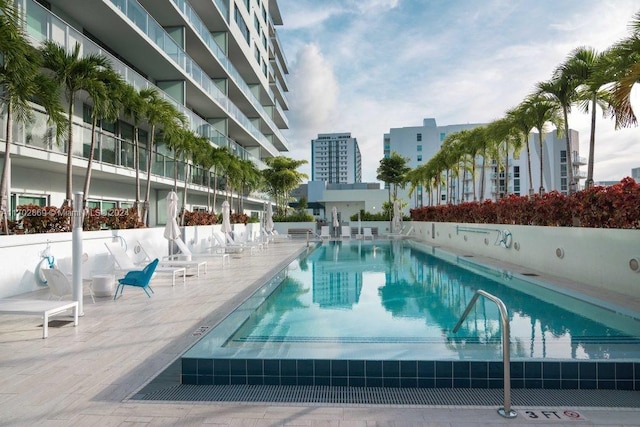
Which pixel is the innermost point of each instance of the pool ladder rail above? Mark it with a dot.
(506, 410)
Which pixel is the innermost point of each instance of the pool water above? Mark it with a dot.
(395, 293)
(381, 314)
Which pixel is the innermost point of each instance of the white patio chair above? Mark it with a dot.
(165, 261)
(124, 264)
(346, 232)
(366, 233)
(325, 233)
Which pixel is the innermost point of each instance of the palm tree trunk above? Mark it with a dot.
(215, 187)
(184, 197)
(541, 165)
(4, 181)
(483, 172)
(473, 178)
(592, 142)
(570, 182)
(506, 170)
(147, 193)
(529, 165)
(69, 192)
(136, 161)
(87, 176)
(208, 191)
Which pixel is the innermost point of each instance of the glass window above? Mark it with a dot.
(419, 157)
(442, 136)
(419, 137)
(563, 156)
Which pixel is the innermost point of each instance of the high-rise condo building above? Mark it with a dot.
(336, 159)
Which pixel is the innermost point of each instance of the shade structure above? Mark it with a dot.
(171, 229)
(396, 222)
(226, 217)
(268, 223)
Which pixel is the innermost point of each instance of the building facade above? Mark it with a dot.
(420, 143)
(219, 62)
(336, 159)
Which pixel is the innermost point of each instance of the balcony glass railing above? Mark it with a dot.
(43, 25)
(201, 29)
(133, 11)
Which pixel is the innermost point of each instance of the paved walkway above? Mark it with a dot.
(84, 376)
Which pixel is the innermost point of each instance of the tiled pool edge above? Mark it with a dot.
(412, 374)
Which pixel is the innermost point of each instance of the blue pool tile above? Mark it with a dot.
(322, 368)
(517, 383)
(271, 367)
(587, 371)
(189, 379)
(190, 366)
(305, 368)
(493, 383)
(322, 381)
(391, 382)
(551, 370)
(238, 367)
(408, 382)
(390, 368)
(529, 383)
(624, 371)
(426, 369)
(444, 382)
(339, 368)
(205, 379)
(221, 367)
(551, 384)
(461, 370)
(532, 370)
(288, 380)
(221, 380)
(271, 380)
(339, 381)
(479, 370)
(205, 367)
(408, 368)
(606, 385)
(606, 371)
(517, 370)
(288, 368)
(254, 367)
(496, 370)
(461, 383)
(305, 380)
(356, 368)
(238, 379)
(373, 382)
(426, 382)
(356, 382)
(569, 384)
(479, 383)
(373, 368)
(444, 369)
(624, 385)
(569, 370)
(255, 380)
(588, 384)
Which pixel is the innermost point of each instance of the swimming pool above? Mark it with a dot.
(347, 309)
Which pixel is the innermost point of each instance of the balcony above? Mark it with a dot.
(579, 160)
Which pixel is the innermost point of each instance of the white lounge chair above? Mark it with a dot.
(242, 241)
(188, 255)
(150, 254)
(124, 264)
(346, 232)
(366, 233)
(277, 236)
(228, 248)
(325, 233)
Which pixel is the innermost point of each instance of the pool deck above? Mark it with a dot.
(86, 375)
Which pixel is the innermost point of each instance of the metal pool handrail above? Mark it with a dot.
(506, 411)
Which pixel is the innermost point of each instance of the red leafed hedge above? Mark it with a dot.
(616, 206)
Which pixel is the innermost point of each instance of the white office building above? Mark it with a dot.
(220, 62)
(336, 159)
(420, 143)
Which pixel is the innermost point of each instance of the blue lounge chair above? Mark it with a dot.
(140, 278)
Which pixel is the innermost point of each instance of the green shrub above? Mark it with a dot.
(296, 217)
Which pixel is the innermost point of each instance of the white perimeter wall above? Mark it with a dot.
(594, 256)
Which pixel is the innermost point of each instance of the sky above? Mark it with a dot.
(366, 66)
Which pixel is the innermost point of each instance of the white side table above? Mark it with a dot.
(102, 285)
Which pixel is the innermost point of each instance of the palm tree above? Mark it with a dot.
(105, 93)
(250, 179)
(504, 132)
(562, 89)
(192, 145)
(592, 73)
(220, 156)
(20, 82)
(74, 74)
(158, 112)
(543, 110)
(523, 123)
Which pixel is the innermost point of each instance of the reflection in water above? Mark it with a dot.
(392, 292)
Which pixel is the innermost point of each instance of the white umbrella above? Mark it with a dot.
(336, 223)
(171, 229)
(397, 217)
(226, 217)
(268, 224)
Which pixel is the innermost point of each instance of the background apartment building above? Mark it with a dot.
(420, 143)
(336, 159)
(220, 62)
